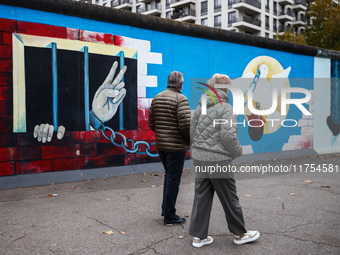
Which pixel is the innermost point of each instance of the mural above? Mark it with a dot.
(263, 78)
(75, 93)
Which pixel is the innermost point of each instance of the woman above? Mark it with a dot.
(214, 148)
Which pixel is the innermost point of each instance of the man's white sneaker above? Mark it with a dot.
(198, 242)
(248, 237)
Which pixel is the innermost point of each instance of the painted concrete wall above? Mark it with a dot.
(26, 89)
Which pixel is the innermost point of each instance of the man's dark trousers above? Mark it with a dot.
(173, 163)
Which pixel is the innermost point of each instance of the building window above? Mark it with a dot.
(204, 22)
(217, 5)
(147, 7)
(158, 5)
(267, 22)
(267, 35)
(231, 18)
(167, 3)
(204, 8)
(217, 21)
(168, 15)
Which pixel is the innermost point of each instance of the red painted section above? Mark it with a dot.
(110, 149)
(6, 38)
(7, 25)
(5, 93)
(61, 32)
(5, 109)
(5, 51)
(29, 153)
(72, 34)
(35, 166)
(108, 39)
(36, 29)
(119, 40)
(6, 168)
(80, 150)
(104, 161)
(55, 151)
(148, 135)
(68, 164)
(8, 154)
(4, 79)
(6, 125)
(8, 140)
(5, 65)
(96, 37)
(23, 154)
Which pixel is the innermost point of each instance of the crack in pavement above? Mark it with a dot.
(149, 247)
(17, 239)
(104, 224)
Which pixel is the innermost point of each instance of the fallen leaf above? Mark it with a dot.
(186, 216)
(155, 174)
(247, 195)
(78, 188)
(185, 169)
(325, 186)
(122, 232)
(153, 186)
(10, 193)
(307, 181)
(181, 237)
(50, 195)
(57, 188)
(110, 232)
(144, 181)
(292, 194)
(108, 199)
(130, 209)
(53, 245)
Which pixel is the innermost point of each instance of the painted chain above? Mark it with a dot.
(254, 83)
(123, 143)
(135, 147)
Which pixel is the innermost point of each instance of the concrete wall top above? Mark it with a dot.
(101, 13)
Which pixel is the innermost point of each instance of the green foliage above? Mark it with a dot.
(291, 37)
(323, 28)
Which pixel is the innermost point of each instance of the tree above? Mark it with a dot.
(289, 36)
(323, 28)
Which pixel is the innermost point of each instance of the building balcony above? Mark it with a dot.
(181, 3)
(285, 2)
(122, 4)
(156, 11)
(144, 1)
(250, 6)
(299, 5)
(246, 22)
(285, 16)
(283, 29)
(188, 15)
(301, 21)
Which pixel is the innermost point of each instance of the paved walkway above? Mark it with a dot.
(296, 213)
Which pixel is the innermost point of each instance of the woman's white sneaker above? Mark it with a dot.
(248, 237)
(198, 242)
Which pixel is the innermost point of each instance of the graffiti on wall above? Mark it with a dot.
(71, 89)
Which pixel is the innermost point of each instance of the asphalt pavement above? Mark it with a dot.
(296, 212)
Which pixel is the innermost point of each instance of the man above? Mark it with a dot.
(169, 118)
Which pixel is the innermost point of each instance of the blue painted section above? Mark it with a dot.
(335, 92)
(55, 86)
(86, 88)
(121, 115)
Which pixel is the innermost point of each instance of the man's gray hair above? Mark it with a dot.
(175, 80)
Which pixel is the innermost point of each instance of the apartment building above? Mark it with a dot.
(257, 17)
